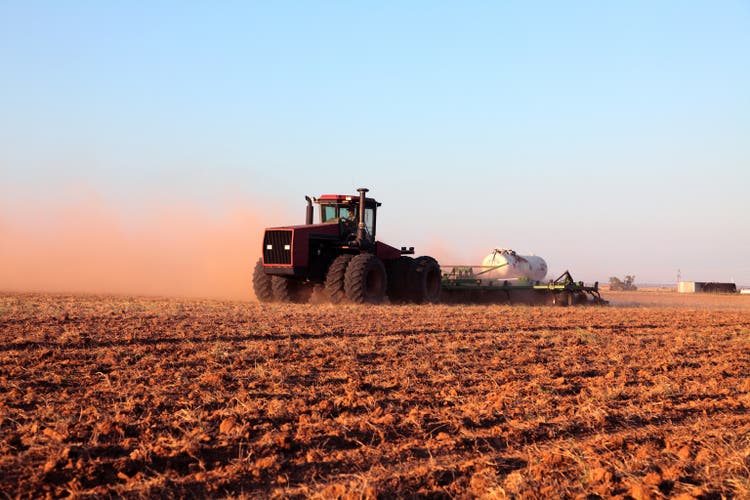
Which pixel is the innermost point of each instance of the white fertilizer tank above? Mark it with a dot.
(507, 265)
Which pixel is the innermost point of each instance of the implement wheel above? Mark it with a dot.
(288, 290)
(563, 298)
(334, 286)
(365, 280)
(424, 280)
(262, 283)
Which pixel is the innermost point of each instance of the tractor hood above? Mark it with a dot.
(287, 246)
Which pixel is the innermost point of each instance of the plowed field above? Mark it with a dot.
(149, 397)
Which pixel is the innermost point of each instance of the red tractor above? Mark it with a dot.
(341, 255)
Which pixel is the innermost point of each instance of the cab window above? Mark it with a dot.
(329, 213)
(370, 220)
(332, 213)
(345, 212)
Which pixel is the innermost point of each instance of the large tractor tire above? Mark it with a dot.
(334, 285)
(365, 280)
(288, 290)
(424, 280)
(398, 279)
(262, 283)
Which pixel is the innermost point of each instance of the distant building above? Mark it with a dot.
(705, 287)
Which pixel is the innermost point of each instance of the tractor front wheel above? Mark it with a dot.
(334, 285)
(288, 290)
(262, 283)
(365, 280)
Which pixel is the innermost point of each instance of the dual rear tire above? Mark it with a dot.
(365, 281)
(414, 280)
(360, 279)
(424, 281)
(398, 279)
(334, 285)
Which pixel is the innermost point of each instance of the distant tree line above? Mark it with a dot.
(623, 285)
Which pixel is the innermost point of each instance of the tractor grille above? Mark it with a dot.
(277, 247)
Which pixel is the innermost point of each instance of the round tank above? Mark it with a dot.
(508, 266)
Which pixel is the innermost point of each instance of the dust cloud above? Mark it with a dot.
(450, 254)
(90, 246)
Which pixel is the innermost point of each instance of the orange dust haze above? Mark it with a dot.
(89, 246)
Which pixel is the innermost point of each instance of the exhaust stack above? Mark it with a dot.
(308, 211)
(361, 233)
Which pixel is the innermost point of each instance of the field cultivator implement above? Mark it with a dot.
(469, 285)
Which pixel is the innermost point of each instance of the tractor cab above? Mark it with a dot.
(344, 209)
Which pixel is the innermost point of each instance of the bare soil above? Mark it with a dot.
(143, 397)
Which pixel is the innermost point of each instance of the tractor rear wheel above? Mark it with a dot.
(262, 283)
(334, 286)
(288, 290)
(398, 279)
(365, 280)
(424, 280)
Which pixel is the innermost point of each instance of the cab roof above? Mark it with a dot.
(344, 198)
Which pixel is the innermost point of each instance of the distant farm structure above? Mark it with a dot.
(705, 287)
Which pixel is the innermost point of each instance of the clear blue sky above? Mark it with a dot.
(611, 138)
